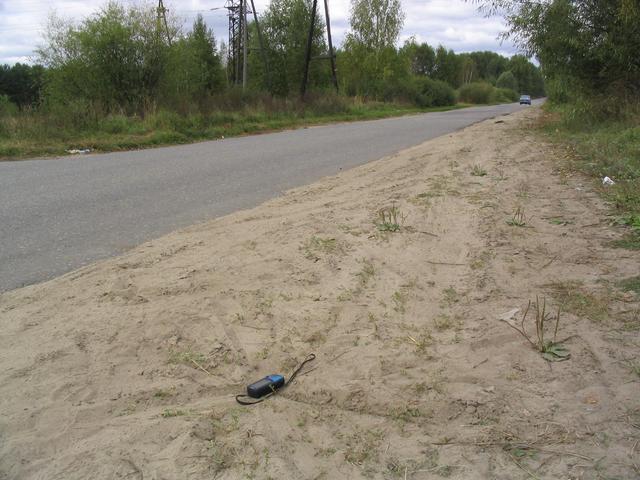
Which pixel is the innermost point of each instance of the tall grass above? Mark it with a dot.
(51, 131)
(603, 136)
(485, 93)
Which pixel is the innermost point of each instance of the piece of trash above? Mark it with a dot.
(591, 400)
(608, 181)
(269, 385)
(76, 150)
(509, 315)
(499, 121)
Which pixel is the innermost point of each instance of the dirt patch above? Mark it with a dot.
(399, 275)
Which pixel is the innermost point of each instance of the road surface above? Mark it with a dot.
(59, 214)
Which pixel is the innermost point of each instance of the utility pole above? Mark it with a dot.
(162, 18)
(235, 39)
(263, 52)
(245, 41)
(238, 53)
(331, 56)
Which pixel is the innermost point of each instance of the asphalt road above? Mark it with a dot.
(59, 214)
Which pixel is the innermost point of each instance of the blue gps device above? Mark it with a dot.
(268, 384)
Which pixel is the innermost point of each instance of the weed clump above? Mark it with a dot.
(578, 301)
(517, 219)
(390, 219)
(478, 171)
(168, 413)
(316, 245)
(630, 284)
(551, 350)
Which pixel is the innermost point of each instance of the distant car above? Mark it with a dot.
(525, 99)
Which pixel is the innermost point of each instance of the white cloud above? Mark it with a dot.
(454, 23)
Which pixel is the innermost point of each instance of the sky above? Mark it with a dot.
(453, 23)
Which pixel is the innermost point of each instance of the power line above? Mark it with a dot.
(237, 54)
(331, 57)
(162, 18)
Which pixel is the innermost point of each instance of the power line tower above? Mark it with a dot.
(239, 41)
(162, 20)
(236, 34)
(331, 56)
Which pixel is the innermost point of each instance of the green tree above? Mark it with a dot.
(114, 59)
(448, 67)
(490, 65)
(468, 69)
(380, 75)
(376, 24)
(528, 76)
(21, 83)
(285, 27)
(594, 43)
(209, 65)
(507, 80)
(194, 68)
(421, 57)
(369, 63)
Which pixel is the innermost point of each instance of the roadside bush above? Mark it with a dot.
(329, 103)
(161, 137)
(7, 107)
(559, 90)
(504, 95)
(593, 110)
(5, 127)
(7, 151)
(115, 124)
(476, 92)
(399, 90)
(76, 114)
(7, 111)
(434, 93)
(112, 59)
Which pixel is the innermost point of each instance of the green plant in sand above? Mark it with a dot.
(551, 350)
(518, 218)
(390, 219)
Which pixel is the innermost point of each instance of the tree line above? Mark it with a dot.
(588, 48)
(123, 60)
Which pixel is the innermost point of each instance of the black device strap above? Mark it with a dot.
(241, 398)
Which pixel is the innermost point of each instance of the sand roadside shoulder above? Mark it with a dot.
(127, 368)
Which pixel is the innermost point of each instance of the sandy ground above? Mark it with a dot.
(128, 368)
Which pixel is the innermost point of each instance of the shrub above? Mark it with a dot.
(593, 110)
(7, 107)
(477, 92)
(400, 90)
(77, 114)
(504, 95)
(163, 136)
(559, 90)
(164, 120)
(115, 124)
(434, 93)
(328, 103)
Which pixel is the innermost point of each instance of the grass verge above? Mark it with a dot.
(602, 146)
(30, 134)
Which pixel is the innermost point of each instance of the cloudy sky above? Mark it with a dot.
(453, 23)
